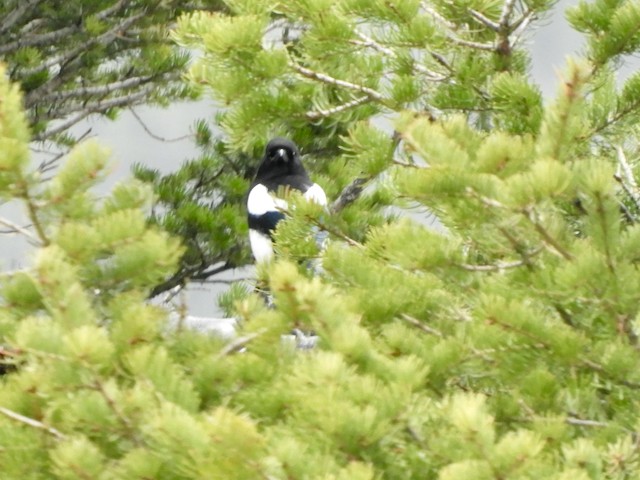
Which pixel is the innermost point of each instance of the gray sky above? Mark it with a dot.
(550, 45)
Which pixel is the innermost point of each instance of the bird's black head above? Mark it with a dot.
(281, 162)
(281, 151)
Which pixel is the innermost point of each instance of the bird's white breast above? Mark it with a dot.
(261, 246)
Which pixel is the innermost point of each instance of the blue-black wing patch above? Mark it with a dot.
(265, 223)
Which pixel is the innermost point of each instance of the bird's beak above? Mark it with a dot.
(282, 153)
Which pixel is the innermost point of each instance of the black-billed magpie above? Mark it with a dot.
(280, 167)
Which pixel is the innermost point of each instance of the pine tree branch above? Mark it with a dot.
(16, 14)
(239, 343)
(530, 214)
(624, 176)
(519, 27)
(450, 28)
(579, 422)
(501, 265)
(32, 422)
(15, 228)
(507, 10)
(420, 325)
(116, 7)
(324, 78)
(600, 369)
(439, 18)
(126, 422)
(349, 194)
(318, 114)
(93, 107)
(32, 212)
(334, 232)
(103, 39)
(370, 42)
(185, 274)
(37, 40)
(95, 90)
(486, 21)
(158, 137)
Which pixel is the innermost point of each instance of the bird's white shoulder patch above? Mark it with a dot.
(261, 246)
(261, 201)
(316, 194)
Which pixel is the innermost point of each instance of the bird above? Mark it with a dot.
(280, 168)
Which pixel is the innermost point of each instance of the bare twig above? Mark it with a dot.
(520, 26)
(484, 20)
(600, 369)
(93, 107)
(439, 18)
(103, 39)
(624, 176)
(31, 422)
(450, 28)
(198, 272)
(335, 233)
(107, 12)
(153, 135)
(32, 210)
(418, 324)
(47, 165)
(318, 114)
(328, 79)
(585, 423)
(530, 214)
(237, 344)
(35, 40)
(507, 9)
(370, 42)
(15, 228)
(501, 265)
(16, 14)
(97, 90)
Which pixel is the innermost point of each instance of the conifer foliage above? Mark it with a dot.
(79, 58)
(503, 347)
